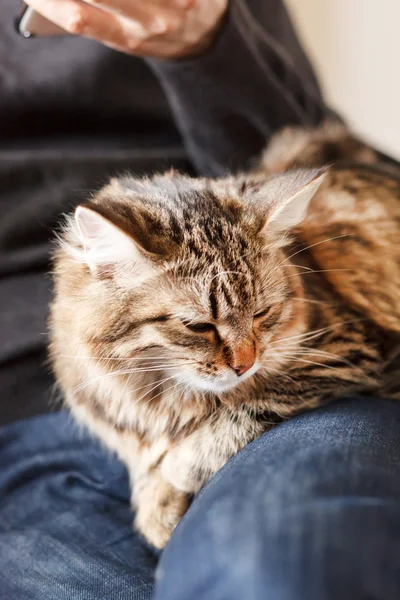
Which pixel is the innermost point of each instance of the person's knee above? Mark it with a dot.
(307, 511)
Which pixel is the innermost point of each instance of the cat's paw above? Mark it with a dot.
(159, 510)
(155, 531)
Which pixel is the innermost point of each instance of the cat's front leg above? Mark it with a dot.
(159, 507)
(190, 464)
(163, 493)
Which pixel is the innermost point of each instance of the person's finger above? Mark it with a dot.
(130, 7)
(80, 18)
(156, 16)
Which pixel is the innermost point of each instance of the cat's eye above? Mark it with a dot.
(200, 327)
(262, 313)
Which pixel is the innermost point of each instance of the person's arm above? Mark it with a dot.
(234, 72)
(254, 80)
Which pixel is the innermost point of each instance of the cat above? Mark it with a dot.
(192, 315)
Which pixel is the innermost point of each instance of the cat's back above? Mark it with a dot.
(360, 194)
(353, 231)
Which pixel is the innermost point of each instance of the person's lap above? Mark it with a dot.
(310, 510)
(65, 521)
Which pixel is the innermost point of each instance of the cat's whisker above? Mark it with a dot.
(325, 354)
(142, 387)
(322, 271)
(296, 358)
(158, 384)
(311, 301)
(160, 365)
(300, 267)
(138, 358)
(328, 355)
(278, 371)
(128, 378)
(315, 332)
(311, 362)
(85, 384)
(183, 391)
(304, 350)
(190, 388)
(150, 369)
(337, 237)
(162, 392)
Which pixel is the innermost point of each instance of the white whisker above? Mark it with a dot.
(314, 333)
(323, 354)
(300, 267)
(321, 271)
(295, 358)
(85, 384)
(311, 301)
(338, 237)
(142, 387)
(278, 371)
(138, 358)
(163, 391)
(152, 389)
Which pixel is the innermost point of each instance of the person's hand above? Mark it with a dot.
(155, 28)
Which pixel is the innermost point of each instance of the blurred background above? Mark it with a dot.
(355, 48)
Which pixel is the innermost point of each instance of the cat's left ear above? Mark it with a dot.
(288, 198)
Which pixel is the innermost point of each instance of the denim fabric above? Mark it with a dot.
(65, 521)
(310, 511)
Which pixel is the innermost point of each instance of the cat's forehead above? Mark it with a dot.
(218, 281)
(187, 199)
(219, 259)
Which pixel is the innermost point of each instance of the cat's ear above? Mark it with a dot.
(103, 242)
(111, 233)
(289, 198)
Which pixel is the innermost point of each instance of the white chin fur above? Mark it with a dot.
(217, 385)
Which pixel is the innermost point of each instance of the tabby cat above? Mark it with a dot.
(192, 315)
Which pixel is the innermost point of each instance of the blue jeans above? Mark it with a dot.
(310, 511)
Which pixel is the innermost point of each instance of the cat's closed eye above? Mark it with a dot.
(262, 313)
(200, 327)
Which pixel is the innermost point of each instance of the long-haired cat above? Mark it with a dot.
(191, 315)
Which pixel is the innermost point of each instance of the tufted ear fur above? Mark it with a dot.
(296, 194)
(282, 201)
(103, 242)
(126, 229)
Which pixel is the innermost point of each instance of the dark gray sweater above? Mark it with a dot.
(73, 112)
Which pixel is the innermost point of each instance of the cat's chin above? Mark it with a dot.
(218, 385)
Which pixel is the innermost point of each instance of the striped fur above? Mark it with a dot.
(148, 345)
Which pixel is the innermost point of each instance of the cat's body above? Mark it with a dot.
(223, 308)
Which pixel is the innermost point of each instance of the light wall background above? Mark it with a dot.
(355, 48)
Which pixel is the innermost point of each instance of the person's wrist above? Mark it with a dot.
(208, 36)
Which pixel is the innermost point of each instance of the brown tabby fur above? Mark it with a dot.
(129, 366)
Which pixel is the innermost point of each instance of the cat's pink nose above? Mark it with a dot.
(242, 369)
(243, 358)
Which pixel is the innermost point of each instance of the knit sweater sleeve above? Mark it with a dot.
(254, 80)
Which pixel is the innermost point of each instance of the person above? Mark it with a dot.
(311, 510)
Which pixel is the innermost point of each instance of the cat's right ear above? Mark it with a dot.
(282, 201)
(103, 242)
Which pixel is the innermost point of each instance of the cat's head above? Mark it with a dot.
(189, 275)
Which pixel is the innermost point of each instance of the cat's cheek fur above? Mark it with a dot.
(293, 324)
